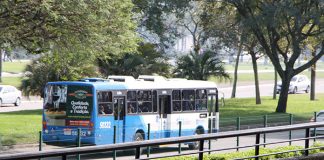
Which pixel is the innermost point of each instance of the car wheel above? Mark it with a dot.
(294, 91)
(18, 102)
(0, 102)
(307, 89)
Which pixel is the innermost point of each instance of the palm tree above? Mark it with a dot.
(147, 61)
(200, 66)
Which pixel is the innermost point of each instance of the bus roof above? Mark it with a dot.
(140, 84)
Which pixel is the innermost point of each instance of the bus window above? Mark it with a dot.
(201, 99)
(131, 96)
(177, 106)
(176, 100)
(131, 108)
(105, 109)
(188, 100)
(131, 102)
(105, 106)
(144, 99)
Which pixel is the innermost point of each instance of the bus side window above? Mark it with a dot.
(131, 102)
(201, 99)
(105, 106)
(131, 108)
(176, 100)
(188, 100)
(144, 99)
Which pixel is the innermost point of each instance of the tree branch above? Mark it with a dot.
(311, 62)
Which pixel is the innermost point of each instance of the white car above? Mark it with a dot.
(319, 118)
(10, 95)
(297, 83)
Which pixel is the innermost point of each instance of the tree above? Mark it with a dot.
(154, 20)
(200, 66)
(223, 21)
(284, 22)
(147, 61)
(56, 66)
(99, 26)
(252, 51)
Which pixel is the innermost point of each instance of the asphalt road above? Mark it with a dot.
(27, 104)
(247, 89)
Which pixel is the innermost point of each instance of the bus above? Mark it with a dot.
(126, 107)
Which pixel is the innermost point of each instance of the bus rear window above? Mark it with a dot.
(66, 105)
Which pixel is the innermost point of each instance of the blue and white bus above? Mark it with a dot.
(95, 106)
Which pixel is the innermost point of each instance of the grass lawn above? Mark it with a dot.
(248, 66)
(15, 81)
(20, 127)
(249, 77)
(14, 67)
(299, 106)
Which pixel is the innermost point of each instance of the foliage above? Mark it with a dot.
(249, 153)
(38, 25)
(154, 17)
(95, 27)
(58, 66)
(200, 66)
(282, 29)
(149, 60)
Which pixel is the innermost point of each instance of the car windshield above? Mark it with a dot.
(294, 79)
(1, 89)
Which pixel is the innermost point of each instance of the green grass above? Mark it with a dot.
(14, 67)
(298, 105)
(249, 77)
(15, 81)
(248, 66)
(20, 127)
(251, 153)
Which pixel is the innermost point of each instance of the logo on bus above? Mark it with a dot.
(80, 94)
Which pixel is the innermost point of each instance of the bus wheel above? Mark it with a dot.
(195, 145)
(139, 137)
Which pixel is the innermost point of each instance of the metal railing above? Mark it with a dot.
(200, 138)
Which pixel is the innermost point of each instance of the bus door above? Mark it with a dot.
(164, 114)
(119, 117)
(213, 110)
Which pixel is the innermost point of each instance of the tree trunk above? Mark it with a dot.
(283, 97)
(1, 52)
(313, 78)
(274, 96)
(256, 78)
(236, 68)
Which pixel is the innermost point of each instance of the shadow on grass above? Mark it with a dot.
(25, 112)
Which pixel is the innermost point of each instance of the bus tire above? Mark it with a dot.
(195, 145)
(139, 137)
